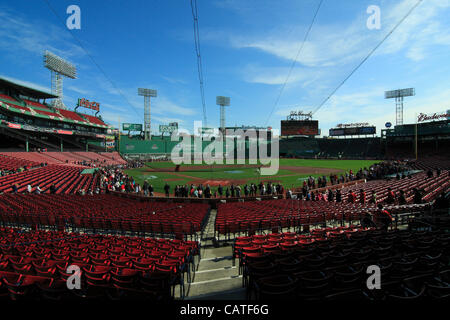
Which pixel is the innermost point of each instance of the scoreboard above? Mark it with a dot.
(132, 127)
(299, 127)
(352, 131)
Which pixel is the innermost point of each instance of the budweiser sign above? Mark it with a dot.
(425, 117)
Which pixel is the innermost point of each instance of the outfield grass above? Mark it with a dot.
(324, 163)
(288, 178)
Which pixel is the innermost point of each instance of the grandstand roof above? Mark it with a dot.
(25, 89)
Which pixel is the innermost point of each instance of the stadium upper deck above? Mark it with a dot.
(26, 118)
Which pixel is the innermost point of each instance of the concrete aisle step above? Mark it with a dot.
(233, 294)
(215, 263)
(215, 278)
(216, 286)
(213, 274)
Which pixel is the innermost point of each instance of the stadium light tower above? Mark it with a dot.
(59, 68)
(398, 95)
(147, 93)
(222, 102)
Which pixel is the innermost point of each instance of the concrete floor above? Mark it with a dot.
(215, 278)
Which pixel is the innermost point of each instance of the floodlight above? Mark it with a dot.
(398, 95)
(59, 65)
(223, 101)
(147, 93)
(59, 68)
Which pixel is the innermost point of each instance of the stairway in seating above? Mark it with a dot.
(215, 278)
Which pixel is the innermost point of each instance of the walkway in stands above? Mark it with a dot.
(216, 278)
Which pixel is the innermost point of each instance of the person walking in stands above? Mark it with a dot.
(207, 191)
(232, 190)
(220, 190)
(29, 188)
(373, 199)
(366, 221)
(227, 193)
(330, 195)
(288, 194)
(254, 189)
(38, 190)
(319, 196)
(417, 196)
(401, 198)
(167, 189)
(351, 197)
(383, 218)
(145, 188)
(338, 195)
(362, 196)
(150, 190)
(390, 197)
(238, 191)
(53, 189)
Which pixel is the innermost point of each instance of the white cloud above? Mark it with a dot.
(337, 45)
(420, 31)
(35, 36)
(79, 90)
(174, 80)
(165, 106)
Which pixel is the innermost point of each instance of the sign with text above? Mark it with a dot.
(435, 116)
(132, 127)
(167, 128)
(344, 131)
(82, 102)
(299, 127)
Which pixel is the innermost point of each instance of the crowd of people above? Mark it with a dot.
(113, 178)
(248, 190)
(356, 197)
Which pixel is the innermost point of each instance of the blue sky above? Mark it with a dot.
(247, 49)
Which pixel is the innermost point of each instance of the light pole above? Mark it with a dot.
(147, 93)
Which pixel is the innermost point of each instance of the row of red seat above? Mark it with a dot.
(239, 217)
(36, 104)
(105, 261)
(335, 266)
(266, 243)
(68, 158)
(103, 212)
(419, 181)
(11, 163)
(60, 113)
(66, 180)
(282, 213)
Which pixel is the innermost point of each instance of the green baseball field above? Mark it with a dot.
(291, 172)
